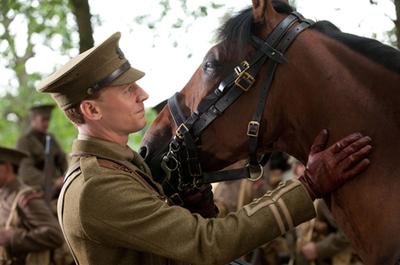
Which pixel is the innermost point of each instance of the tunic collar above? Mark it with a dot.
(106, 149)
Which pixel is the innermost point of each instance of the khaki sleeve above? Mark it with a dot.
(40, 228)
(27, 170)
(121, 211)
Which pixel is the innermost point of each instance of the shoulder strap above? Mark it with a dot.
(121, 165)
(13, 210)
(72, 173)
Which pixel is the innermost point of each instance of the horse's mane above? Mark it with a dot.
(235, 34)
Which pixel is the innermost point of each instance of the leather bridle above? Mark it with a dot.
(181, 163)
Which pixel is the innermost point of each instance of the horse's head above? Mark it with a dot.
(226, 139)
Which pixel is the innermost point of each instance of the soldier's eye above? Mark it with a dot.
(129, 89)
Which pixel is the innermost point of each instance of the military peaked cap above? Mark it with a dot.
(89, 72)
(42, 109)
(11, 155)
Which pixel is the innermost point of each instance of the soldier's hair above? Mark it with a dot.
(74, 113)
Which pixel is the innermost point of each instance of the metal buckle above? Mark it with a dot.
(245, 65)
(245, 81)
(181, 130)
(253, 128)
(169, 163)
(255, 174)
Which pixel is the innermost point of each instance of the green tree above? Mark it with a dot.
(24, 25)
(83, 17)
(396, 30)
(397, 22)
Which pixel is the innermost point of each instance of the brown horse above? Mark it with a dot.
(330, 80)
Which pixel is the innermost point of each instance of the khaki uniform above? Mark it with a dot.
(332, 246)
(232, 195)
(113, 213)
(34, 227)
(31, 168)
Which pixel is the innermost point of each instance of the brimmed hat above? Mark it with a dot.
(42, 109)
(101, 66)
(11, 155)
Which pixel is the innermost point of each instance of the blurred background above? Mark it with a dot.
(165, 38)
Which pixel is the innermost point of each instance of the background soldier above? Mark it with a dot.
(28, 228)
(32, 170)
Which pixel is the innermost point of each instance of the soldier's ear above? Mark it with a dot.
(90, 110)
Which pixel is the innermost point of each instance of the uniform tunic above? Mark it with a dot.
(114, 214)
(31, 168)
(37, 229)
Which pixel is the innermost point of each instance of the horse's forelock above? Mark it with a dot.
(235, 34)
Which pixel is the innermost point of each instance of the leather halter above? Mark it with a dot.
(182, 159)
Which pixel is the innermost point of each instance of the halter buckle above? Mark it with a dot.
(256, 173)
(182, 129)
(245, 65)
(244, 80)
(253, 128)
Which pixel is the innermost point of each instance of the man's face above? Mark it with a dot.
(40, 122)
(122, 108)
(4, 173)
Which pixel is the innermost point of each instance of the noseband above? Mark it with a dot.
(181, 163)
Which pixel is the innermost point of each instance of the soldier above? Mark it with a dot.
(327, 244)
(28, 229)
(34, 143)
(113, 212)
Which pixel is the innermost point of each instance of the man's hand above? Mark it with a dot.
(328, 169)
(201, 201)
(5, 236)
(309, 251)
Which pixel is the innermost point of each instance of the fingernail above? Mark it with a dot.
(368, 138)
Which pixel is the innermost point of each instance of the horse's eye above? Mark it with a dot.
(210, 66)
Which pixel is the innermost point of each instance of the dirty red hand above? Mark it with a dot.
(329, 168)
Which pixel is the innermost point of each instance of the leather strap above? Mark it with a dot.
(111, 77)
(72, 173)
(239, 262)
(229, 90)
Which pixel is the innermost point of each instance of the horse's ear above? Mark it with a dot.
(263, 9)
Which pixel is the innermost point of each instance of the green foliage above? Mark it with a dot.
(25, 24)
(64, 131)
(187, 14)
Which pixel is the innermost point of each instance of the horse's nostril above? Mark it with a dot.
(143, 151)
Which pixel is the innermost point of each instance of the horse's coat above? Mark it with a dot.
(326, 83)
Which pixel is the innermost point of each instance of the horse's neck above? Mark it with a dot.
(338, 89)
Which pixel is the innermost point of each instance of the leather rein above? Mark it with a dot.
(181, 163)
